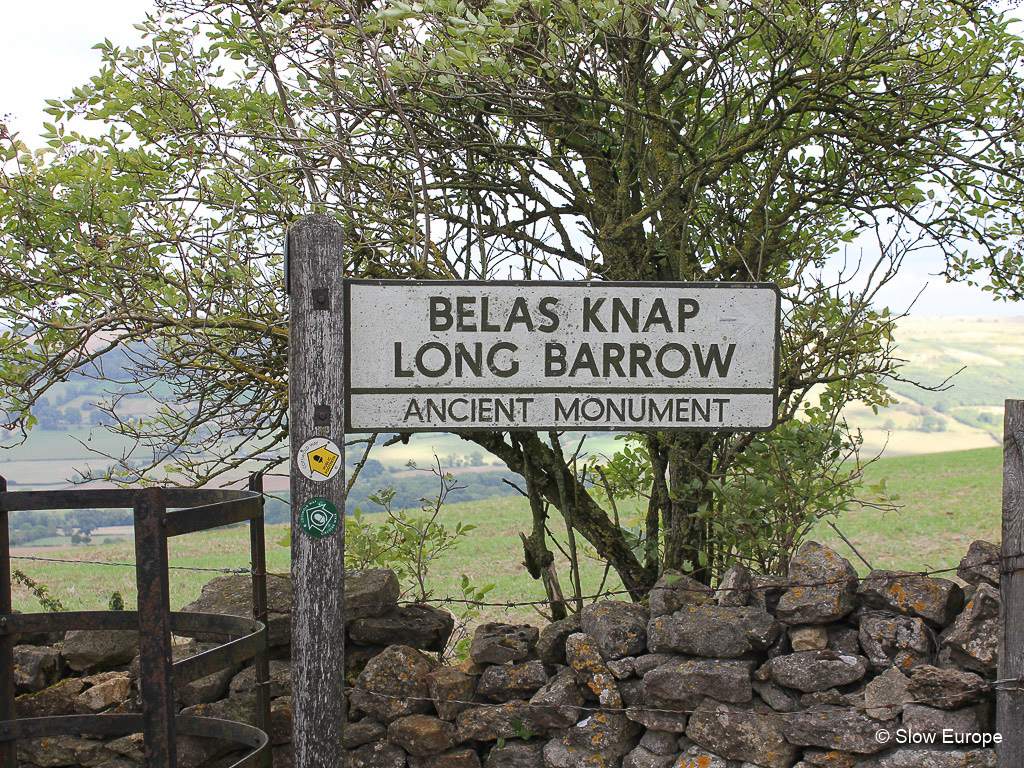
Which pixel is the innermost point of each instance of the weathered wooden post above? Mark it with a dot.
(6, 640)
(314, 271)
(155, 676)
(1010, 698)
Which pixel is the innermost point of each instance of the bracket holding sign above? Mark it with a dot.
(412, 356)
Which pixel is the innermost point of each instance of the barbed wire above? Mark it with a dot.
(710, 592)
(980, 689)
(112, 563)
(773, 585)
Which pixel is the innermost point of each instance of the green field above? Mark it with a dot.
(948, 500)
(970, 365)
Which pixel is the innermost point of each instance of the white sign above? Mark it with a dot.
(445, 356)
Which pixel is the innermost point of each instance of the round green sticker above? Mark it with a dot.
(318, 517)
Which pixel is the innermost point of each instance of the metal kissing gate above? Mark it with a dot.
(160, 513)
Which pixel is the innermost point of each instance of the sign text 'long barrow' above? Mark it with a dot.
(568, 355)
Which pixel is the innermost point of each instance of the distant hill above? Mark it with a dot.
(984, 357)
(966, 414)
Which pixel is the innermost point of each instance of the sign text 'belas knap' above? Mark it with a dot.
(559, 355)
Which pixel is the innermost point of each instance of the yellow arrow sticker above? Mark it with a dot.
(319, 459)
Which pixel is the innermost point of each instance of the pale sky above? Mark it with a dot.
(46, 49)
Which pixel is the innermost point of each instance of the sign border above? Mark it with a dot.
(348, 282)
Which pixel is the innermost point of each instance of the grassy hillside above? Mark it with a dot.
(973, 364)
(948, 500)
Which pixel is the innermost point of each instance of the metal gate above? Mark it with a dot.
(160, 513)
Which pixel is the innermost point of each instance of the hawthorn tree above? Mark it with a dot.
(599, 139)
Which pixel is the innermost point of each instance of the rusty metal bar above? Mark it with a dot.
(205, 509)
(56, 622)
(82, 498)
(258, 553)
(111, 498)
(102, 725)
(214, 515)
(6, 639)
(155, 687)
(108, 724)
(228, 654)
(189, 624)
(229, 730)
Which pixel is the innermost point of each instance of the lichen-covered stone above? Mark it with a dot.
(497, 643)
(697, 757)
(980, 565)
(452, 691)
(550, 646)
(913, 757)
(622, 668)
(281, 720)
(885, 695)
(843, 639)
(837, 728)
(645, 663)
(660, 742)
(830, 696)
(418, 626)
(99, 649)
(516, 753)
(973, 639)
(104, 696)
(194, 751)
(778, 698)
(831, 758)
(394, 684)
(678, 680)
(674, 590)
(889, 640)
(659, 719)
(823, 585)
(36, 667)
(362, 732)
(768, 590)
(751, 732)
(618, 628)
(280, 680)
(504, 682)
(375, 754)
(232, 595)
(58, 699)
(561, 752)
(54, 751)
(356, 656)
(603, 730)
(461, 757)
(641, 757)
(131, 746)
(736, 587)
(713, 631)
(808, 637)
(422, 735)
(280, 757)
(810, 671)
(937, 601)
(946, 688)
(585, 658)
(922, 719)
(370, 592)
(491, 722)
(558, 704)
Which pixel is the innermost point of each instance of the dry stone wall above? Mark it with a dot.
(819, 669)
